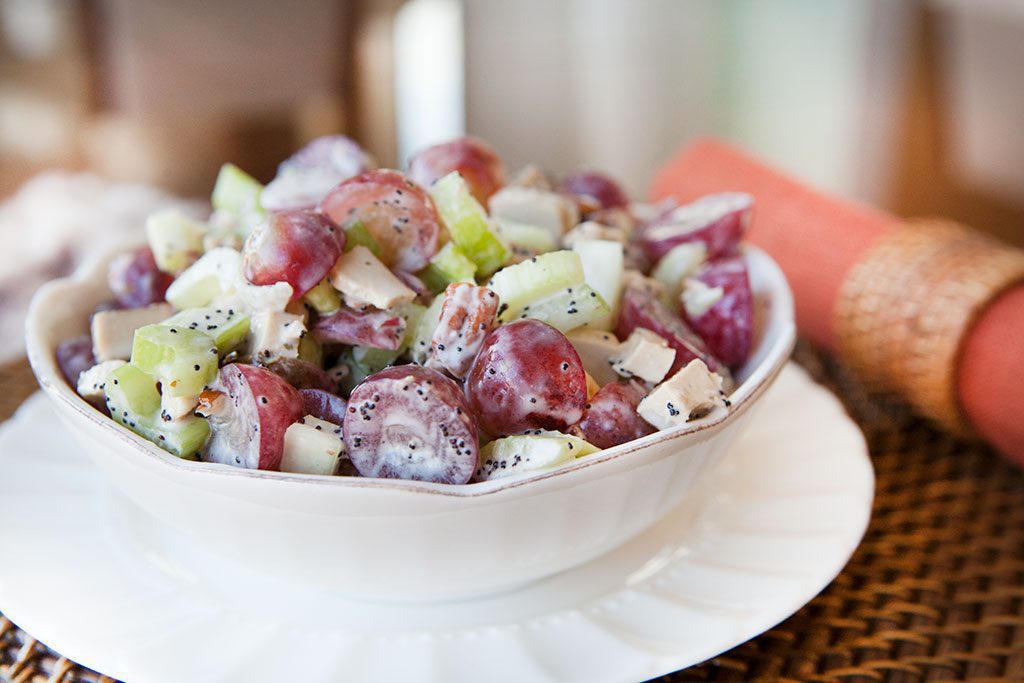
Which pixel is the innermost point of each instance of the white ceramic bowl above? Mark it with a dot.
(397, 540)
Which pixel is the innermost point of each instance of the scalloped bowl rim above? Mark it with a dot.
(42, 357)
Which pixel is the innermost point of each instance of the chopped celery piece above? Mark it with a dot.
(603, 265)
(357, 372)
(447, 266)
(566, 310)
(324, 298)
(184, 360)
(467, 224)
(679, 263)
(372, 359)
(356, 235)
(134, 401)
(227, 326)
(236, 191)
(580, 447)
(524, 453)
(530, 237)
(175, 239)
(419, 343)
(135, 390)
(535, 279)
(310, 351)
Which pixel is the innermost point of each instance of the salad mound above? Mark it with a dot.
(443, 325)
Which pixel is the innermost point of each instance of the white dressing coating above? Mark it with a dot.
(697, 297)
(467, 315)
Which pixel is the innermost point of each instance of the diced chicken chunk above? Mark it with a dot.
(645, 355)
(690, 393)
(364, 280)
(275, 334)
(535, 207)
(91, 381)
(113, 331)
(592, 230)
(467, 315)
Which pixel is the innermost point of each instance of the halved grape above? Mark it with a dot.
(397, 213)
(642, 308)
(304, 178)
(717, 220)
(411, 422)
(377, 329)
(325, 405)
(595, 189)
(727, 326)
(301, 374)
(527, 376)
(611, 418)
(473, 158)
(251, 408)
(135, 279)
(297, 247)
(74, 357)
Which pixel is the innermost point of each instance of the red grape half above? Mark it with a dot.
(411, 422)
(527, 376)
(399, 215)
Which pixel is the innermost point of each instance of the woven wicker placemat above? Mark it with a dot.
(935, 592)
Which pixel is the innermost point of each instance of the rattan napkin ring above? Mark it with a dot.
(905, 310)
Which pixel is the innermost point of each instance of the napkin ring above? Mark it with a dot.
(907, 306)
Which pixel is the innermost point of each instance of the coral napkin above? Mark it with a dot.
(821, 242)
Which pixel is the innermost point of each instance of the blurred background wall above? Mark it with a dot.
(914, 105)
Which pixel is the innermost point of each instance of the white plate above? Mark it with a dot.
(89, 574)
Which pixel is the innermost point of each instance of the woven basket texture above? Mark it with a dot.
(935, 592)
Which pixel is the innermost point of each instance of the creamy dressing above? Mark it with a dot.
(467, 315)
